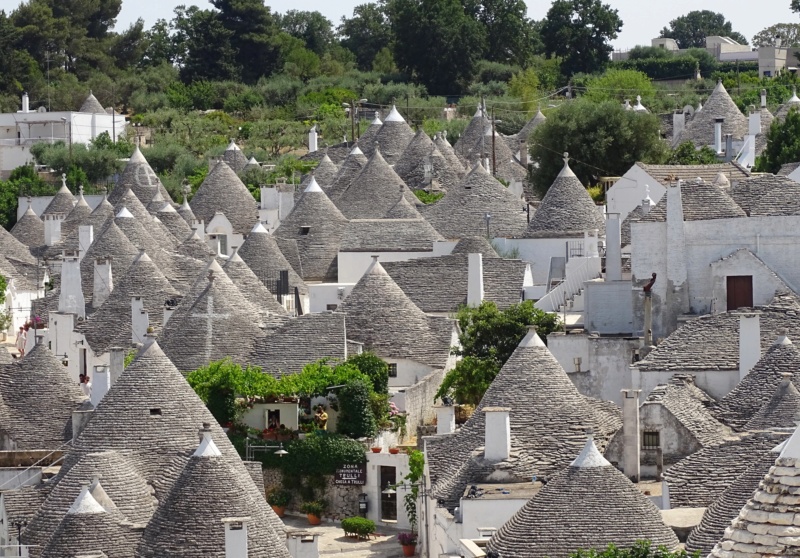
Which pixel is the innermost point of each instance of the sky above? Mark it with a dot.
(642, 19)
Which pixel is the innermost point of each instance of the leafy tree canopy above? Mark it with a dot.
(789, 34)
(579, 32)
(602, 139)
(366, 33)
(687, 154)
(691, 30)
(488, 338)
(783, 144)
(619, 85)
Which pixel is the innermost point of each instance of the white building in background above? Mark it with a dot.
(26, 127)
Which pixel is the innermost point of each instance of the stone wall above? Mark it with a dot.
(342, 500)
(419, 400)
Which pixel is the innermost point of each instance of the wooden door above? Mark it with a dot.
(740, 291)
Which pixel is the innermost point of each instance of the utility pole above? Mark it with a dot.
(494, 152)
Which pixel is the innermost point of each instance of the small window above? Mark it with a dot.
(393, 370)
(651, 440)
(305, 230)
(223, 244)
(155, 412)
(331, 307)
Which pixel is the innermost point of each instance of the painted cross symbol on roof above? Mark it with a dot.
(210, 316)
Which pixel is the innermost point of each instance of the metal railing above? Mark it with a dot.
(572, 285)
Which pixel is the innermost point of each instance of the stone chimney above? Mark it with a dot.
(749, 342)
(70, 300)
(729, 148)
(312, 139)
(79, 421)
(302, 544)
(613, 248)
(103, 281)
(630, 433)
(497, 436)
(754, 122)
(523, 153)
(139, 320)
(85, 239)
(474, 279)
(199, 227)
(235, 536)
(116, 364)
(168, 311)
(52, 228)
(678, 123)
(718, 135)
(101, 382)
(445, 419)
(646, 207)
(763, 98)
(26, 103)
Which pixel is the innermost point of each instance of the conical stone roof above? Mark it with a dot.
(700, 129)
(174, 223)
(366, 143)
(419, 153)
(781, 411)
(111, 242)
(12, 248)
(131, 495)
(759, 386)
(234, 157)
(110, 325)
(374, 191)
(140, 177)
(349, 169)
(475, 245)
(405, 331)
(213, 321)
(189, 522)
(156, 204)
(78, 216)
(223, 191)
(403, 210)
(394, 136)
(92, 105)
(588, 505)
(324, 174)
(566, 210)
(155, 229)
(261, 253)
(449, 153)
(530, 126)
(508, 168)
(548, 420)
(29, 229)
(317, 226)
(195, 247)
(718, 516)
(469, 140)
(38, 398)
(462, 211)
(764, 526)
(136, 232)
(254, 290)
(185, 211)
(62, 202)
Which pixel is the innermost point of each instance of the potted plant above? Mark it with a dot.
(284, 434)
(313, 511)
(409, 543)
(269, 434)
(376, 449)
(279, 499)
(394, 450)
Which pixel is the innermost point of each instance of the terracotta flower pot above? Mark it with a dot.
(376, 450)
(279, 510)
(313, 519)
(394, 451)
(409, 549)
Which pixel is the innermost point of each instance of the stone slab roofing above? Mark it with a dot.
(324, 174)
(375, 190)
(566, 210)
(792, 103)
(764, 525)
(213, 321)
(140, 177)
(698, 481)
(766, 194)
(234, 157)
(389, 235)
(223, 191)
(537, 120)
(719, 515)
(62, 203)
(384, 319)
(419, 153)
(447, 151)
(262, 254)
(467, 146)
(667, 174)
(700, 129)
(29, 229)
(299, 342)
(760, 385)
(548, 420)
(349, 169)
(254, 290)
(92, 105)
(475, 245)
(317, 227)
(781, 411)
(461, 213)
(439, 285)
(393, 136)
(588, 505)
(366, 143)
(111, 324)
(37, 399)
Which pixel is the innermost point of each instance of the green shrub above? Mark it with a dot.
(374, 367)
(360, 526)
(356, 419)
(320, 453)
(279, 498)
(315, 507)
(428, 197)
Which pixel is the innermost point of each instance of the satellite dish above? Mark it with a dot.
(41, 109)
(688, 109)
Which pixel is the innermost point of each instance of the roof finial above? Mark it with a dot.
(566, 159)
(80, 190)
(63, 180)
(30, 201)
(377, 147)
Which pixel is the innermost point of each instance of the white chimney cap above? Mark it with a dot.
(85, 503)
(259, 228)
(394, 116)
(207, 447)
(313, 186)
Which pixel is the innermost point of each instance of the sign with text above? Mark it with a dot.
(351, 474)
